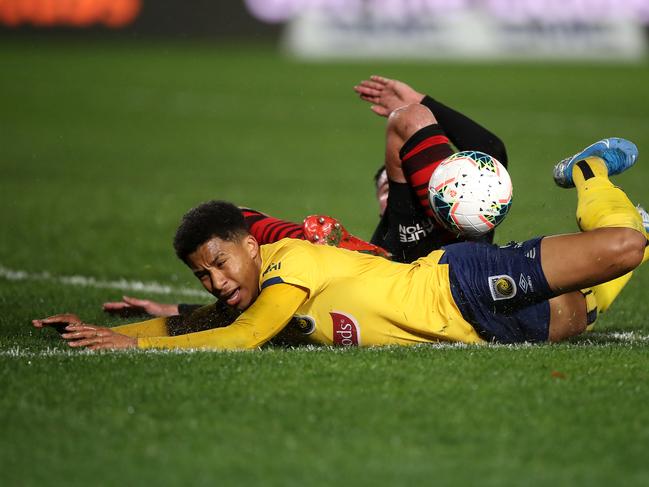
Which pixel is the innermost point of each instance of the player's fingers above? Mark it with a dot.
(373, 86)
(380, 79)
(371, 99)
(370, 92)
(55, 319)
(85, 329)
(115, 306)
(85, 342)
(77, 335)
(359, 89)
(84, 338)
(42, 323)
(135, 301)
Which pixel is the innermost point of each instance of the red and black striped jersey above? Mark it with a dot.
(267, 229)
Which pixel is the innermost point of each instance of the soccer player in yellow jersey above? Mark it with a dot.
(545, 289)
(539, 290)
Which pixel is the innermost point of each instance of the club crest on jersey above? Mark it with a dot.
(502, 287)
(305, 324)
(275, 266)
(346, 331)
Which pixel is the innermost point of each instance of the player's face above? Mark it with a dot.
(382, 191)
(229, 270)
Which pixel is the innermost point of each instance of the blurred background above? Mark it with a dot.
(118, 115)
(403, 29)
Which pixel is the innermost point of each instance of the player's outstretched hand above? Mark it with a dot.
(129, 306)
(96, 338)
(386, 95)
(58, 322)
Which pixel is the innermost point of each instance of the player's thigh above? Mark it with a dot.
(404, 122)
(580, 260)
(568, 316)
(501, 291)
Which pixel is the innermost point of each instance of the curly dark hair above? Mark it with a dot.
(208, 220)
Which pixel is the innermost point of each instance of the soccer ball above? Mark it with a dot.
(470, 193)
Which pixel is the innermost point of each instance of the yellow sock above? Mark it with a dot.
(608, 291)
(592, 309)
(602, 204)
(599, 202)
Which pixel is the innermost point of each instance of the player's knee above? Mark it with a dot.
(407, 120)
(627, 249)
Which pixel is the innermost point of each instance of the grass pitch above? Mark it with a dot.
(102, 149)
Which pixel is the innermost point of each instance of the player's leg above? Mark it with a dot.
(571, 314)
(614, 239)
(509, 296)
(568, 318)
(403, 123)
(613, 243)
(415, 145)
(607, 293)
(573, 262)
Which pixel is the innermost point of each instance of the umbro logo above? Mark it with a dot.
(525, 284)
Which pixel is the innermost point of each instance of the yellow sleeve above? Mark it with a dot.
(150, 328)
(272, 310)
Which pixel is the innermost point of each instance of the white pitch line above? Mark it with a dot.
(86, 281)
(608, 338)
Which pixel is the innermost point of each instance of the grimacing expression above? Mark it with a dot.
(229, 270)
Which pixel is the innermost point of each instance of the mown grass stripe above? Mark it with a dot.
(89, 281)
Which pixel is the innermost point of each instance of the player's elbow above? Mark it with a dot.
(626, 249)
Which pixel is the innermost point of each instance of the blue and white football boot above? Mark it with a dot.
(618, 154)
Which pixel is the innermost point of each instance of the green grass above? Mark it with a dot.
(104, 146)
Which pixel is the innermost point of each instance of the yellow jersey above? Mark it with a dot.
(360, 299)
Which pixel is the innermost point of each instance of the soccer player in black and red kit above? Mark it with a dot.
(406, 229)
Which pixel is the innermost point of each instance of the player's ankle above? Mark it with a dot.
(589, 169)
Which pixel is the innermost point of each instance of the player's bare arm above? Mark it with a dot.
(129, 306)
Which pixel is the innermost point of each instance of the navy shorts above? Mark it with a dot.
(501, 291)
